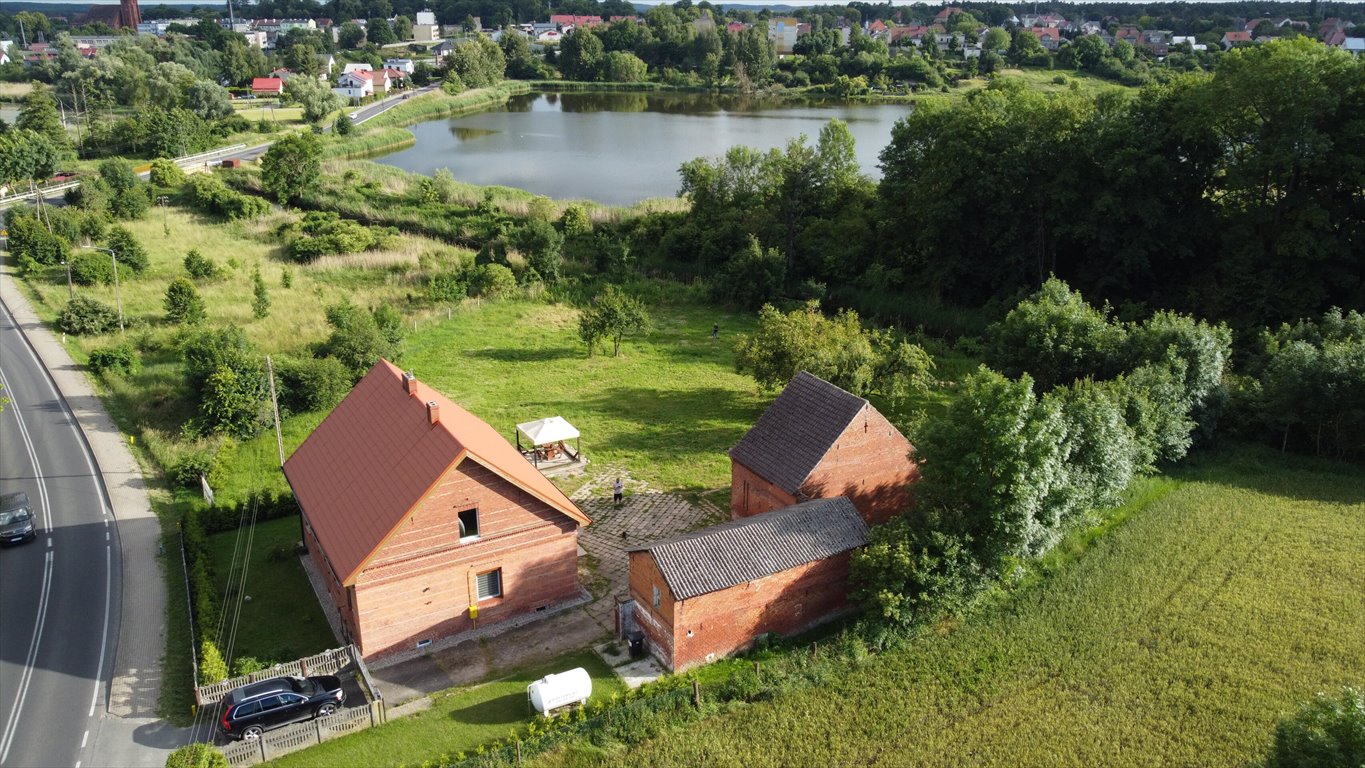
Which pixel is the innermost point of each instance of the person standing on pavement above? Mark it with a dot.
(617, 491)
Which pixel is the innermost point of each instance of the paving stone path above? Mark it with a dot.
(644, 515)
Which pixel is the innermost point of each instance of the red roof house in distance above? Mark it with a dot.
(817, 441)
(709, 593)
(424, 522)
(267, 86)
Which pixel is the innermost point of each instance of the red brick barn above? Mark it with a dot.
(817, 441)
(710, 593)
(426, 523)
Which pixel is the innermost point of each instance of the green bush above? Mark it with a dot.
(492, 281)
(200, 266)
(183, 304)
(122, 358)
(29, 237)
(197, 755)
(165, 173)
(130, 251)
(447, 287)
(188, 469)
(84, 316)
(1326, 732)
(91, 268)
(323, 233)
(314, 384)
(208, 193)
(129, 203)
(212, 668)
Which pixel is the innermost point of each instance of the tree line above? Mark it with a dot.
(1234, 196)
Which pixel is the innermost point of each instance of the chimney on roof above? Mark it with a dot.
(409, 383)
(433, 412)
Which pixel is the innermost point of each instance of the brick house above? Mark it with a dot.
(424, 522)
(818, 441)
(710, 593)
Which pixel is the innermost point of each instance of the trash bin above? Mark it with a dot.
(637, 644)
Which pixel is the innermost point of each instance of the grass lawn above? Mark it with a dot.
(1179, 638)
(459, 720)
(282, 622)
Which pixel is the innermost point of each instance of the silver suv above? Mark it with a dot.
(16, 519)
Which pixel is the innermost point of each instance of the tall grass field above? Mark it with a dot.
(1179, 638)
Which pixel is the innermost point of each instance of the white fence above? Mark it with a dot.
(325, 663)
(292, 738)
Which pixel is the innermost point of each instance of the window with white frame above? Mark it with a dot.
(489, 584)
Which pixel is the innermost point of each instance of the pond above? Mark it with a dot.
(620, 148)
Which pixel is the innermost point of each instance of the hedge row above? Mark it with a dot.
(199, 523)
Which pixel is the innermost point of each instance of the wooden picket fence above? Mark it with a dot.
(292, 738)
(325, 663)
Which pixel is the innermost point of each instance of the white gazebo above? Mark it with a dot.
(542, 441)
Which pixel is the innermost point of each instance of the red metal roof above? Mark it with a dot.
(377, 455)
(267, 84)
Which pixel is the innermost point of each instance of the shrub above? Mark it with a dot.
(1328, 731)
(122, 358)
(91, 268)
(260, 302)
(208, 193)
(84, 316)
(492, 281)
(343, 125)
(188, 470)
(29, 237)
(212, 668)
(314, 384)
(447, 286)
(130, 251)
(183, 304)
(129, 203)
(197, 755)
(165, 173)
(200, 266)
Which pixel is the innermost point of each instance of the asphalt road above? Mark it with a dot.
(59, 596)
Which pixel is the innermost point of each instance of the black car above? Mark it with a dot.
(254, 709)
(16, 518)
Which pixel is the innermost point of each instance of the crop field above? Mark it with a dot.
(1179, 638)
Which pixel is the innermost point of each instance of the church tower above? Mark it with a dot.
(129, 14)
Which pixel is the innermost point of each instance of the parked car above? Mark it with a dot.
(16, 519)
(254, 709)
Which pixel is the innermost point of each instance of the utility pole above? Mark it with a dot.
(275, 406)
(23, 36)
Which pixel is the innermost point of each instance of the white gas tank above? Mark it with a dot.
(554, 691)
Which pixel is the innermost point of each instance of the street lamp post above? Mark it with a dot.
(118, 293)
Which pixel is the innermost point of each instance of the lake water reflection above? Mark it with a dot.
(620, 148)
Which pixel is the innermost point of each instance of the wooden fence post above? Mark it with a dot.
(518, 751)
(261, 741)
(696, 693)
(814, 651)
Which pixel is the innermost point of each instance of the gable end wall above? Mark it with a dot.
(421, 581)
(869, 463)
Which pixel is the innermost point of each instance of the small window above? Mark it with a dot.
(469, 525)
(656, 597)
(490, 584)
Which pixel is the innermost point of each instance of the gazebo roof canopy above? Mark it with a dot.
(546, 431)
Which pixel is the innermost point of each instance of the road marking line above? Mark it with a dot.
(104, 639)
(43, 506)
(12, 727)
(84, 738)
